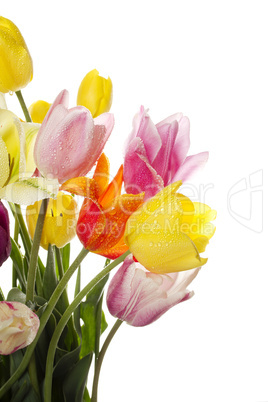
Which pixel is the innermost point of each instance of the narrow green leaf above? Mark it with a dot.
(65, 253)
(75, 381)
(50, 280)
(17, 259)
(90, 314)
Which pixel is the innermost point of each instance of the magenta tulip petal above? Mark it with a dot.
(190, 166)
(170, 119)
(168, 133)
(155, 154)
(5, 243)
(144, 128)
(139, 175)
(181, 146)
(140, 297)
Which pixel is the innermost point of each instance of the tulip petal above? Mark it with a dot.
(140, 297)
(144, 128)
(101, 173)
(4, 169)
(190, 166)
(82, 186)
(181, 146)
(166, 252)
(113, 190)
(61, 99)
(139, 175)
(27, 191)
(168, 133)
(18, 326)
(103, 127)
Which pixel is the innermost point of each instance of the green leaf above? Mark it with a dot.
(65, 254)
(50, 280)
(75, 381)
(18, 262)
(66, 362)
(17, 295)
(2, 297)
(22, 390)
(89, 312)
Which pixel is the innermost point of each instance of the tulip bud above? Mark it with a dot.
(60, 221)
(95, 93)
(140, 297)
(18, 326)
(5, 244)
(38, 111)
(15, 61)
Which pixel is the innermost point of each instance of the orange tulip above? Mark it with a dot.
(105, 211)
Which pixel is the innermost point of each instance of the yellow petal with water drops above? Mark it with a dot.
(4, 163)
(166, 252)
(162, 206)
(60, 221)
(27, 191)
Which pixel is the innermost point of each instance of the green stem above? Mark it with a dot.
(34, 253)
(24, 107)
(16, 210)
(107, 342)
(64, 319)
(16, 238)
(43, 320)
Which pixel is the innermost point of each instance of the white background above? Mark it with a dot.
(207, 59)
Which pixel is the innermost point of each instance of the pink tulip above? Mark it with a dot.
(18, 326)
(156, 155)
(140, 297)
(69, 140)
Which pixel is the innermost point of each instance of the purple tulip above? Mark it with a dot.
(69, 140)
(156, 155)
(5, 244)
(18, 326)
(140, 297)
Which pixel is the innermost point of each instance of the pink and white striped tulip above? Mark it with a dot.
(69, 140)
(156, 155)
(18, 326)
(140, 297)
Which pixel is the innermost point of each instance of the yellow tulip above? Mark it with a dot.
(167, 233)
(11, 140)
(60, 221)
(38, 111)
(15, 61)
(95, 93)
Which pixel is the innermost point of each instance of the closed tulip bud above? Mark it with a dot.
(95, 93)
(15, 61)
(60, 221)
(140, 297)
(18, 326)
(38, 111)
(5, 244)
(167, 233)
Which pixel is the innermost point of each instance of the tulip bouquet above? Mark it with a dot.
(50, 162)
